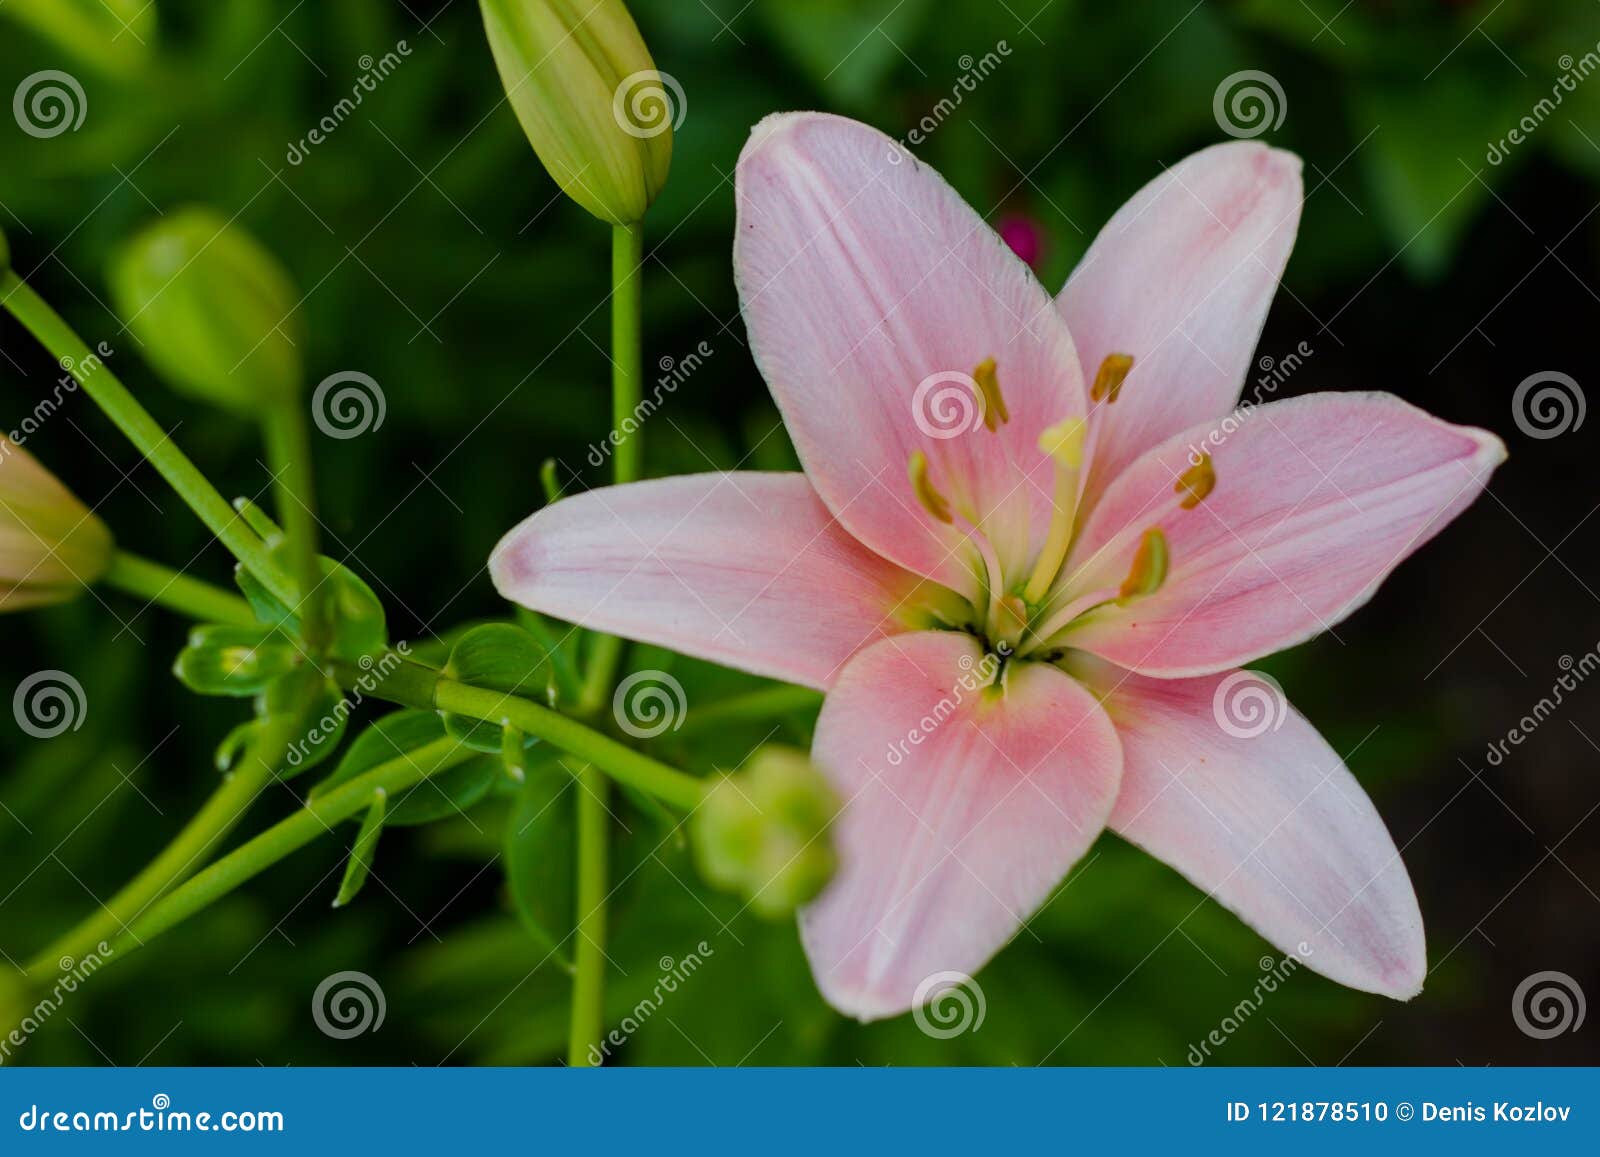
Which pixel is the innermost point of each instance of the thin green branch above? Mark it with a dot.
(155, 583)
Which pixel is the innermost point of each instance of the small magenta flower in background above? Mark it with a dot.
(51, 545)
(1031, 547)
(1024, 235)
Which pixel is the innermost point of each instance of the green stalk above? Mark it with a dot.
(251, 858)
(158, 584)
(289, 454)
(143, 431)
(589, 956)
(627, 256)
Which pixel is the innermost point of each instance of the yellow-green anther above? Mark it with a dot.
(588, 96)
(1110, 376)
(932, 501)
(1149, 569)
(213, 310)
(1199, 480)
(995, 413)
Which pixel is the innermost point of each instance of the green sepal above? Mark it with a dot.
(318, 711)
(496, 657)
(364, 848)
(359, 625)
(395, 735)
(236, 661)
(446, 795)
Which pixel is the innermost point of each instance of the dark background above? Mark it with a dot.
(437, 256)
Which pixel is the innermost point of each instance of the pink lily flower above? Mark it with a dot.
(1032, 545)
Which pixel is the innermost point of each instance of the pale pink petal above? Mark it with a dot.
(861, 276)
(1229, 784)
(962, 812)
(1317, 499)
(743, 569)
(1181, 279)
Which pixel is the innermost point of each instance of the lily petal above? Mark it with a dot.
(1181, 278)
(749, 570)
(862, 275)
(963, 809)
(1317, 499)
(1229, 784)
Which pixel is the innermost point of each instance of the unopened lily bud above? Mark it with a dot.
(764, 833)
(589, 97)
(51, 546)
(212, 308)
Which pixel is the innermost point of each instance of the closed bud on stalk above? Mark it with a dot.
(212, 309)
(589, 97)
(764, 833)
(51, 546)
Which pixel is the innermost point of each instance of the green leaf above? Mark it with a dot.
(318, 713)
(446, 795)
(362, 851)
(540, 856)
(236, 661)
(498, 657)
(389, 738)
(359, 624)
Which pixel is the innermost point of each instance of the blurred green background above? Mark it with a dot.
(437, 257)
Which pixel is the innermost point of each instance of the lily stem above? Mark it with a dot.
(90, 372)
(158, 584)
(289, 454)
(589, 955)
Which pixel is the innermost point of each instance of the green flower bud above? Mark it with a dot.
(764, 833)
(589, 97)
(51, 545)
(212, 308)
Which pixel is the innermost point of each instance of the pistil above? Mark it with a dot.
(1063, 442)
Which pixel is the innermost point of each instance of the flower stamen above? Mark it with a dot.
(995, 413)
(927, 494)
(1199, 480)
(1110, 376)
(1149, 569)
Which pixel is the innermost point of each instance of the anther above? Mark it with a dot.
(1199, 480)
(1109, 378)
(994, 403)
(930, 498)
(1149, 569)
